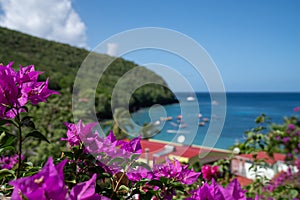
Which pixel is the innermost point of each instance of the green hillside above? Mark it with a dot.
(60, 62)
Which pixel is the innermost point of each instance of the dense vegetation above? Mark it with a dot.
(61, 62)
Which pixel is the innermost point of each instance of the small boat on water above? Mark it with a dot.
(205, 119)
(190, 98)
(166, 118)
(156, 123)
(202, 123)
(215, 103)
(182, 125)
(178, 131)
(174, 124)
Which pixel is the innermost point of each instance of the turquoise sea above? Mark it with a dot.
(241, 111)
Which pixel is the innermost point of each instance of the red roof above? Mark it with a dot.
(155, 147)
(263, 155)
(243, 180)
(182, 151)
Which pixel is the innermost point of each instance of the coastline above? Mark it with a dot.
(242, 110)
(193, 145)
(156, 151)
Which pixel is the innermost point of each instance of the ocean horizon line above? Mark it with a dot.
(240, 92)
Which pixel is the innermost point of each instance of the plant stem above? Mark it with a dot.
(120, 179)
(19, 144)
(118, 182)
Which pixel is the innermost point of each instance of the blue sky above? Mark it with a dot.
(255, 44)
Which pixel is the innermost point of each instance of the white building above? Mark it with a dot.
(241, 165)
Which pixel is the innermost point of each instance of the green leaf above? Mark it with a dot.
(75, 148)
(105, 175)
(68, 154)
(28, 164)
(260, 119)
(141, 164)
(26, 118)
(293, 193)
(123, 187)
(6, 172)
(5, 121)
(7, 140)
(7, 148)
(32, 171)
(38, 135)
(134, 156)
(3, 129)
(25, 108)
(178, 186)
(148, 195)
(164, 180)
(116, 160)
(156, 183)
(141, 182)
(78, 153)
(26, 121)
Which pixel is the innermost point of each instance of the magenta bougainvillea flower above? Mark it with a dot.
(86, 191)
(235, 190)
(77, 132)
(105, 149)
(27, 75)
(139, 173)
(31, 89)
(133, 146)
(291, 127)
(209, 172)
(297, 109)
(19, 87)
(46, 184)
(49, 183)
(174, 170)
(38, 92)
(8, 95)
(8, 162)
(109, 148)
(215, 191)
(8, 90)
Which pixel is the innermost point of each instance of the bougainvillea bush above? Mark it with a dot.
(94, 167)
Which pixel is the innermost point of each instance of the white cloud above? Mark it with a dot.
(51, 19)
(112, 49)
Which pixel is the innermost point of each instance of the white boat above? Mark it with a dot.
(215, 103)
(179, 117)
(173, 124)
(166, 118)
(182, 125)
(156, 123)
(178, 131)
(201, 123)
(205, 119)
(190, 98)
